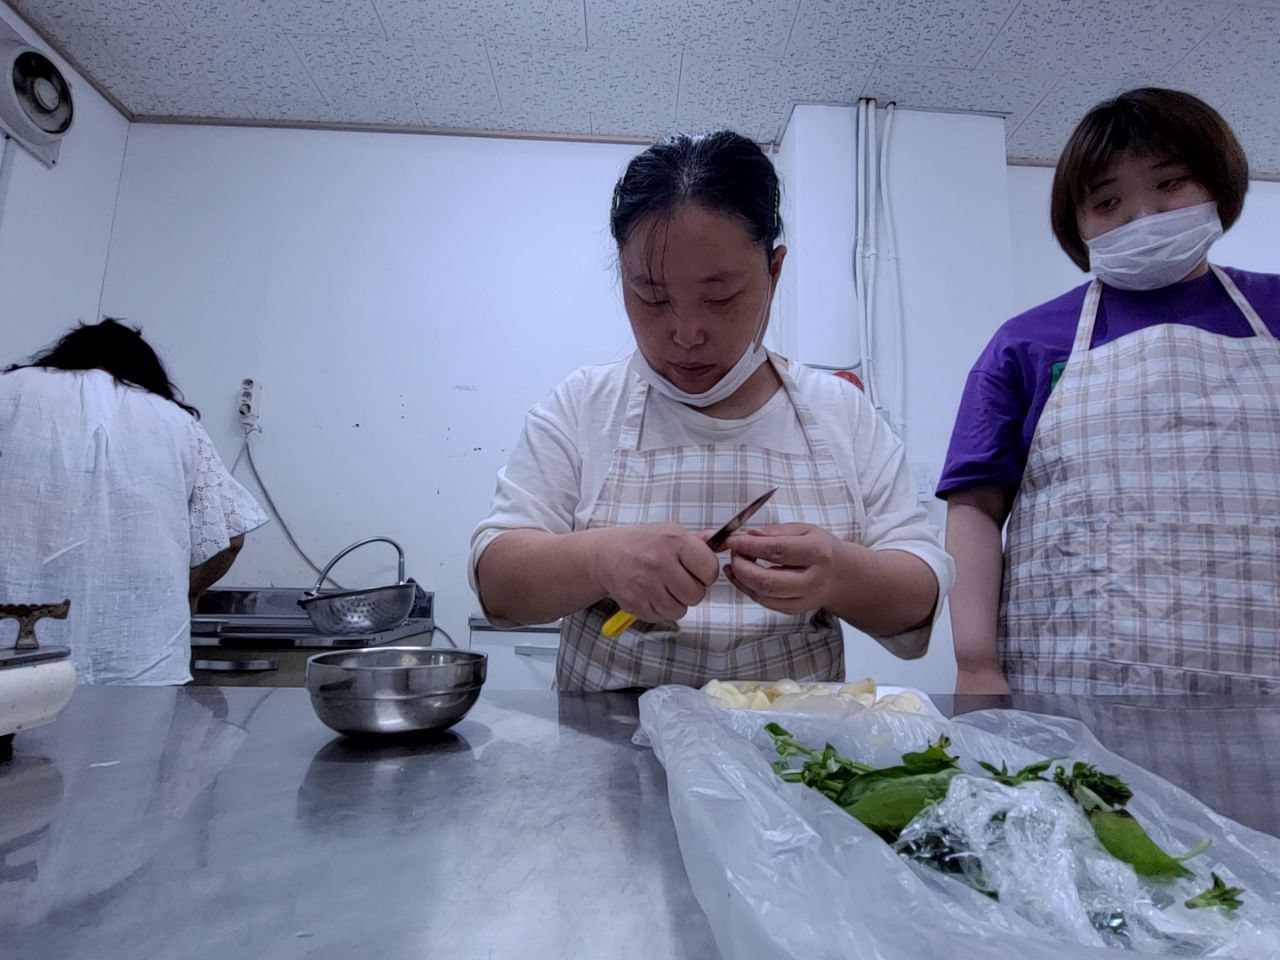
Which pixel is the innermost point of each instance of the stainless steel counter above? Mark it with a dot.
(198, 823)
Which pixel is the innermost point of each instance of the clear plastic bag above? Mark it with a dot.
(782, 872)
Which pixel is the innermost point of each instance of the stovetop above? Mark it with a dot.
(269, 617)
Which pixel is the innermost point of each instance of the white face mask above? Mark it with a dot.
(1155, 251)
(750, 361)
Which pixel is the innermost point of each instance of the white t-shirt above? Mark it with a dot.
(555, 473)
(111, 495)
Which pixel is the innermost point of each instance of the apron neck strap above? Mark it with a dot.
(1092, 297)
(1260, 329)
(1084, 329)
(633, 419)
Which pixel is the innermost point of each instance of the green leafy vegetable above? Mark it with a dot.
(886, 799)
(1091, 787)
(1027, 774)
(1218, 895)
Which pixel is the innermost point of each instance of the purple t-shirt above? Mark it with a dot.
(1008, 386)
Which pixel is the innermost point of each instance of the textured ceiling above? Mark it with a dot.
(641, 68)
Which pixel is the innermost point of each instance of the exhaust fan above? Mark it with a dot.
(35, 100)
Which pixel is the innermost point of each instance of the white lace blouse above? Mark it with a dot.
(110, 495)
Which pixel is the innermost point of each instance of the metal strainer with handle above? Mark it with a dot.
(360, 611)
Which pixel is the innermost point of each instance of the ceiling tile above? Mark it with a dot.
(590, 66)
(84, 43)
(1088, 38)
(586, 79)
(549, 119)
(189, 102)
(256, 17)
(352, 110)
(1237, 71)
(755, 95)
(951, 88)
(353, 69)
(557, 22)
(115, 14)
(728, 27)
(1242, 55)
(936, 32)
(1045, 131)
(632, 120)
(253, 67)
(761, 131)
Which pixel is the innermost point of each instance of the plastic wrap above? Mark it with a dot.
(782, 872)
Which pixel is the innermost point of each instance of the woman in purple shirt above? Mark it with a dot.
(1129, 432)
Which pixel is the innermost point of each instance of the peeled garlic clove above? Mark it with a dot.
(865, 699)
(858, 687)
(783, 688)
(721, 692)
(758, 700)
(908, 702)
(903, 702)
(748, 686)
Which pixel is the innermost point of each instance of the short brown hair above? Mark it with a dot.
(1148, 120)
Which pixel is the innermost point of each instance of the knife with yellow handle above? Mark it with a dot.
(621, 620)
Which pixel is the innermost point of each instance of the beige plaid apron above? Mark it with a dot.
(700, 487)
(1143, 551)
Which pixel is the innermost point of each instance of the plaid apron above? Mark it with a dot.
(1143, 550)
(701, 486)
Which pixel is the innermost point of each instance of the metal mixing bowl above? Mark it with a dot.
(391, 690)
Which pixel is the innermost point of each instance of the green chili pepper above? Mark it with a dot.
(1125, 840)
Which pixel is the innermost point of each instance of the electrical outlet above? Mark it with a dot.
(923, 477)
(249, 403)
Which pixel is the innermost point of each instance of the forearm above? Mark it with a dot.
(531, 576)
(884, 593)
(973, 539)
(205, 575)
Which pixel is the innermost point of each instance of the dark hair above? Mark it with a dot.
(722, 171)
(115, 348)
(1150, 121)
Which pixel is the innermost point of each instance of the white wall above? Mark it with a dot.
(949, 203)
(56, 224)
(817, 153)
(783, 333)
(402, 299)
(1042, 271)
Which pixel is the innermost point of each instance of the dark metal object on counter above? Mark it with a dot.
(394, 690)
(360, 611)
(258, 636)
(27, 614)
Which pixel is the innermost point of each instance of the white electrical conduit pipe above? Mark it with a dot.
(899, 410)
(860, 311)
(872, 256)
